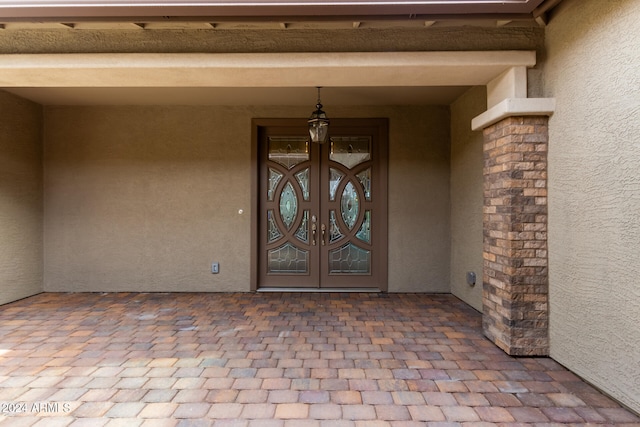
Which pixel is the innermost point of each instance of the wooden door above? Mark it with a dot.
(323, 208)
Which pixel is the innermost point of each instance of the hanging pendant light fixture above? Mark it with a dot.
(318, 124)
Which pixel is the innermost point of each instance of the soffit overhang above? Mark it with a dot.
(79, 10)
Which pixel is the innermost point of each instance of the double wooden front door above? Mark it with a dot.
(323, 208)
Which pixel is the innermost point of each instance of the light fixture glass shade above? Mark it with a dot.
(318, 124)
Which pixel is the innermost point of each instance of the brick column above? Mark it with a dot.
(515, 278)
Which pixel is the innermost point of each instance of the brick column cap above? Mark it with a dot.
(514, 107)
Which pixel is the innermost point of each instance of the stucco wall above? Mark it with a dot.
(594, 193)
(419, 201)
(467, 196)
(245, 38)
(20, 198)
(145, 198)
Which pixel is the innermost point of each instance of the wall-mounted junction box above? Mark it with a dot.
(471, 278)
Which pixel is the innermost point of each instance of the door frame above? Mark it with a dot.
(382, 126)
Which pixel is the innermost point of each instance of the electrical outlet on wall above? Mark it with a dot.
(215, 268)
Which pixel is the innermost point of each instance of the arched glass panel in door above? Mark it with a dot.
(350, 189)
(287, 220)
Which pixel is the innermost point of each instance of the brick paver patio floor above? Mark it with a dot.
(272, 359)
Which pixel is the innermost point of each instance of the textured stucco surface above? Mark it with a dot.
(290, 40)
(467, 196)
(145, 198)
(20, 198)
(594, 193)
(419, 202)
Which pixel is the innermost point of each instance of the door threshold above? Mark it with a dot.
(323, 290)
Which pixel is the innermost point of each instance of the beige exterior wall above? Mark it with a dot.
(592, 70)
(145, 198)
(246, 38)
(20, 198)
(419, 201)
(467, 196)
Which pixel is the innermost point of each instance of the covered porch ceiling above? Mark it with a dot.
(383, 78)
(373, 78)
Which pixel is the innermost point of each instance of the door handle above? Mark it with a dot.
(314, 227)
(323, 228)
